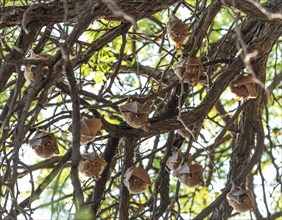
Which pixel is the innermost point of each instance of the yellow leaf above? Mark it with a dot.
(99, 77)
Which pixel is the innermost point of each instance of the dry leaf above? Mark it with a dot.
(136, 114)
(30, 70)
(244, 87)
(44, 144)
(177, 31)
(189, 73)
(174, 161)
(190, 175)
(91, 165)
(89, 129)
(136, 179)
(241, 200)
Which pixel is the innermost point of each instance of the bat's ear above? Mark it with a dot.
(174, 161)
(130, 107)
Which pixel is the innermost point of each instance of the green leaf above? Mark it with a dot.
(99, 77)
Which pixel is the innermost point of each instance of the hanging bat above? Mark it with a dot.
(30, 70)
(244, 86)
(136, 114)
(241, 200)
(91, 165)
(44, 144)
(177, 31)
(89, 129)
(190, 175)
(136, 179)
(189, 73)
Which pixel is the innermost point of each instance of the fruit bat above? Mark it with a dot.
(177, 31)
(44, 144)
(190, 175)
(30, 70)
(91, 165)
(136, 179)
(89, 129)
(136, 114)
(244, 87)
(241, 200)
(189, 73)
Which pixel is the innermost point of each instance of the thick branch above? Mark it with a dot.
(20, 48)
(55, 12)
(100, 186)
(199, 32)
(78, 195)
(271, 11)
(129, 144)
(261, 43)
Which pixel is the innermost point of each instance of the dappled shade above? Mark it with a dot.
(186, 93)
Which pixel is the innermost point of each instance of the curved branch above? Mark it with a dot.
(271, 11)
(55, 12)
